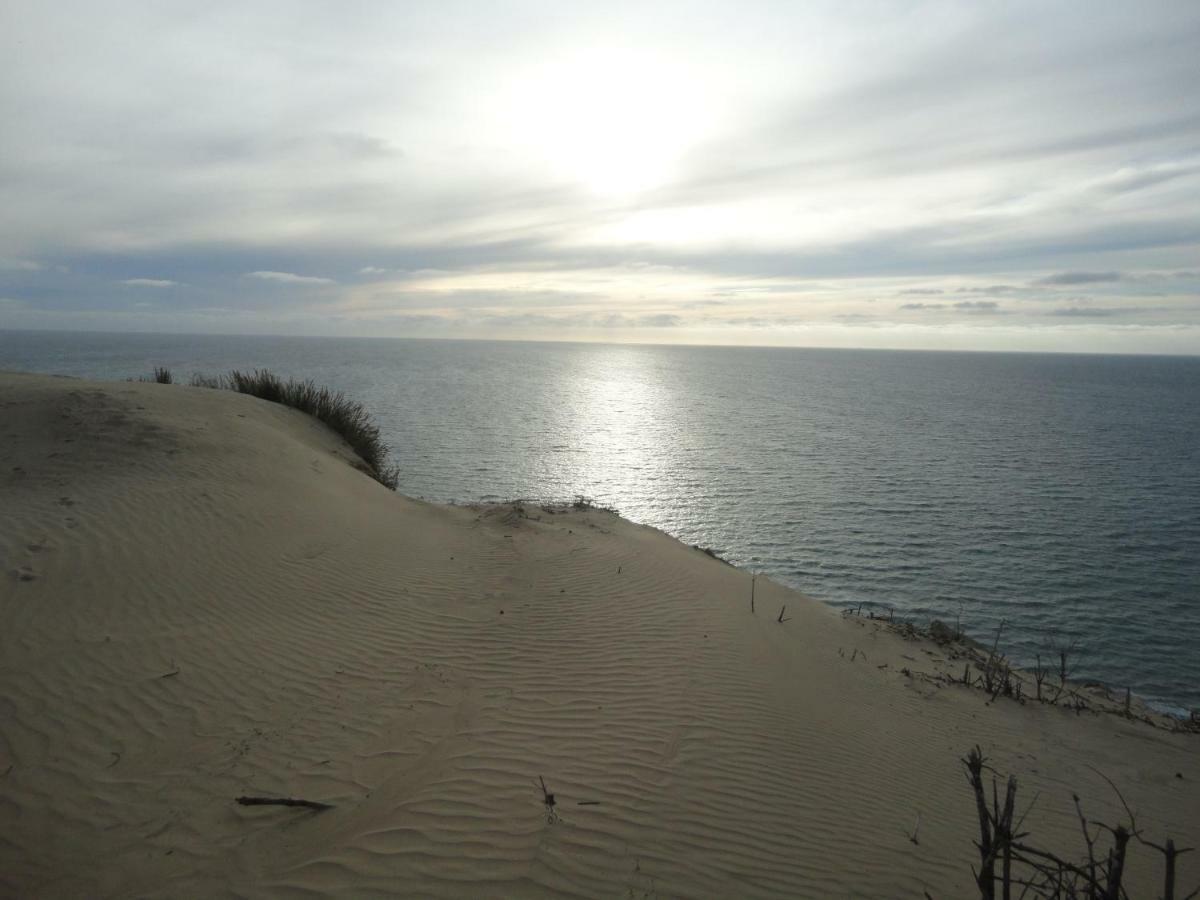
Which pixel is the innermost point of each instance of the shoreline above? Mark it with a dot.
(207, 601)
(905, 557)
(1101, 691)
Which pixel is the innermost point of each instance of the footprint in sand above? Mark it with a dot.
(65, 501)
(24, 573)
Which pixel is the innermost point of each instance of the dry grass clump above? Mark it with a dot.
(216, 382)
(583, 502)
(345, 416)
(161, 375)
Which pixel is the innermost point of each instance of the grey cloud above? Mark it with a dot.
(475, 299)
(250, 149)
(150, 282)
(923, 249)
(978, 306)
(891, 118)
(1066, 278)
(620, 320)
(752, 322)
(419, 320)
(921, 292)
(583, 320)
(1093, 312)
(991, 289)
(1129, 180)
(12, 264)
(660, 320)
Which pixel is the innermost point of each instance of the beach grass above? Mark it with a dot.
(347, 417)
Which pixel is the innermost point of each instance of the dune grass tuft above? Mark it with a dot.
(345, 416)
(216, 382)
(161, 375)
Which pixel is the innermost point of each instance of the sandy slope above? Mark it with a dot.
(201, 599)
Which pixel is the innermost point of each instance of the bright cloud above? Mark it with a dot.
(288, 278)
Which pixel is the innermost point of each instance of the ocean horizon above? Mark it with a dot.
(1058, 494)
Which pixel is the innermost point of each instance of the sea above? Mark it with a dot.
(1053, 496)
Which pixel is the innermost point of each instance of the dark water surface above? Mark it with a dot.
(1058, 493)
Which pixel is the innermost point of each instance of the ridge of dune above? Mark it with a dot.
(201, 599)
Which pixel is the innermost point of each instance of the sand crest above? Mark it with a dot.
(201, 599)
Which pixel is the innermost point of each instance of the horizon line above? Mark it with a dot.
(626, 343)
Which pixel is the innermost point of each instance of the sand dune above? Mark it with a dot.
(202, 599)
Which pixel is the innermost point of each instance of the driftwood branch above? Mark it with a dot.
(1007, 859)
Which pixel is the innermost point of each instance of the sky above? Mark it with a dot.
(982, 175)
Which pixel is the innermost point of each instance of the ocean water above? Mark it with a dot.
(1059, 494)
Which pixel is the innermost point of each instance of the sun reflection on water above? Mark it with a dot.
(621, 422)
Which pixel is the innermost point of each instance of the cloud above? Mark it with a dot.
(1128, 180)
(583, 320)
(150, 282)
(1065, 278)
(12, 264)
(1090, 312)
(976, 306)
(659, 320)
(991, 289)
(288, 278)
(751, 322)
(786, 197)
(466, 298)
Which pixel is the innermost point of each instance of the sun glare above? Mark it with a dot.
(613, 120)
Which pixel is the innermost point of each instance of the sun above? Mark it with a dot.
(613, 120)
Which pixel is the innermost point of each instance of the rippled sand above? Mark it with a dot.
(202, 599)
